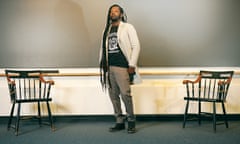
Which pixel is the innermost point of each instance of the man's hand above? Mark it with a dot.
(131, 70)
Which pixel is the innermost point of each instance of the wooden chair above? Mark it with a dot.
(211, 87)
(28, 87)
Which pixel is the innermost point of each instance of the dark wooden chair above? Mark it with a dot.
(211, 87)
(28, 87)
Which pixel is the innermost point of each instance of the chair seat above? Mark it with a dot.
(203, 99)
(33, 100)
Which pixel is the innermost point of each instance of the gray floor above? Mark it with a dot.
(84, 131)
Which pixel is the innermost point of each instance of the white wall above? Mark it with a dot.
(67, 33)
(157, 94)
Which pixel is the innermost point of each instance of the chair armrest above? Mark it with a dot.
(44, 81)
(10, 82)
(225, 82)
(11, 88)
(190, 81)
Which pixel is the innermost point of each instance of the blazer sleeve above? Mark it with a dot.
(135, 45)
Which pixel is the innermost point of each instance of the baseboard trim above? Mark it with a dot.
(139, 117)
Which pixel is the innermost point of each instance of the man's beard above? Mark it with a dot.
(115, 19)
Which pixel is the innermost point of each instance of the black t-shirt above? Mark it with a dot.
(115, 55)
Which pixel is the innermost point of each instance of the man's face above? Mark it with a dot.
(115, 14)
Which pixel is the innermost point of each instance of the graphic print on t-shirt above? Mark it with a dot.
(112, 41)
(115, 55)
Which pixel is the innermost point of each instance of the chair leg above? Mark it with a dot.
(185, 114)
(18, 119)
(199, 112)
(214, 116)
(50, 116)
(39, 114)
(11, 116)
(224, 114)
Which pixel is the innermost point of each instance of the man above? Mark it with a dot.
(118, 60)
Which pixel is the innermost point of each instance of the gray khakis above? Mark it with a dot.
(119, 81)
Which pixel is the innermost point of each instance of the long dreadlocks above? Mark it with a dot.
(104, 79)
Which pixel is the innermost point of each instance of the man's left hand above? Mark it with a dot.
(131, 70)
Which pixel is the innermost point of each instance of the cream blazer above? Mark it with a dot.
(129, 44)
